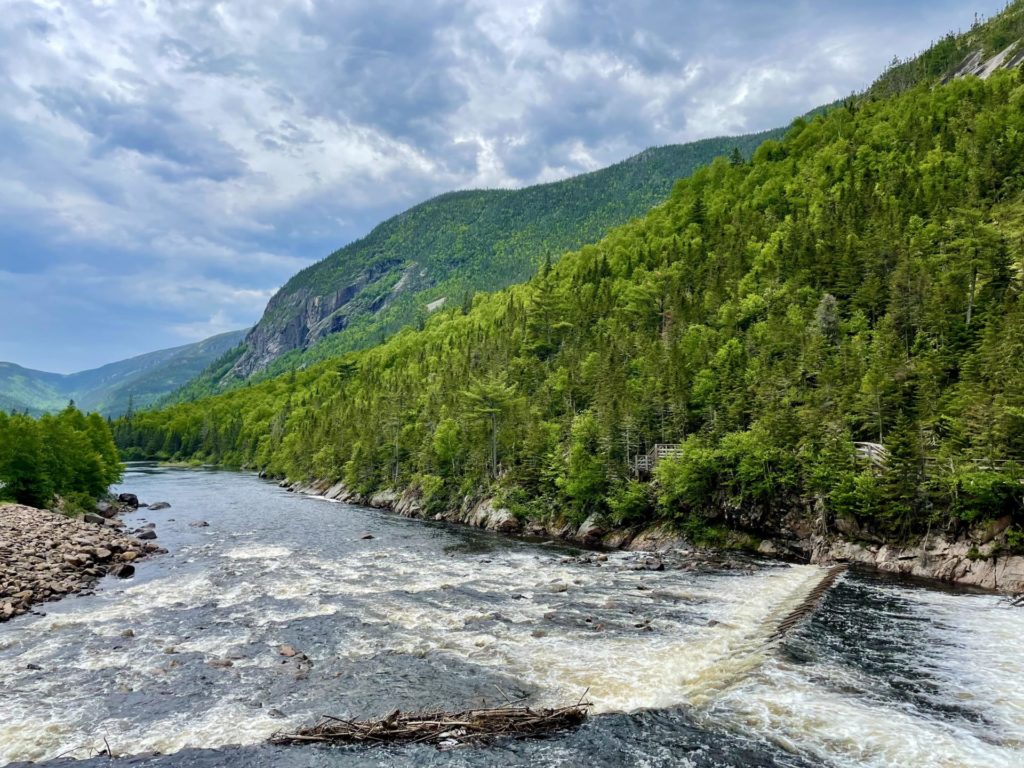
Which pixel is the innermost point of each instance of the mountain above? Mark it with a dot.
(437, 254)
(861, 281)
(140, 380)
(989, 46)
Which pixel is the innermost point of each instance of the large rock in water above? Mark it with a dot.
(159, 505)
(130, 499)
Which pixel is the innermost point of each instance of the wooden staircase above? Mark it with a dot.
(644, 464)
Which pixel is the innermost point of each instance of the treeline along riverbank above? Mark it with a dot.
(860, 280)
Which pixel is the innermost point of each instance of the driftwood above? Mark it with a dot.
(444, 729)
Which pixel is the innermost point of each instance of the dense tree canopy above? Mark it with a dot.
(859, 280)
(444, 250)
(68, 454)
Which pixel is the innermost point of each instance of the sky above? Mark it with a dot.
(166, 165)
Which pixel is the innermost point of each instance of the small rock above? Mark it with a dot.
(199, 524)
(287, 650)
(220, 663)
(559, 587)
(129, 556)
(159, 505)
(366, 536)
(33, 667)
(146, 534)
(103, 554)
(91, 517)
(128, 633)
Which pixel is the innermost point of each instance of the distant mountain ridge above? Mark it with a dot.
(442, 251)
(140, 381)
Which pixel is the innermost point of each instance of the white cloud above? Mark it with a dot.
(198, 154)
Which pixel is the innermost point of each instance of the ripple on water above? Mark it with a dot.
(425, 615)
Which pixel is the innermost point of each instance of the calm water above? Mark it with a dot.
(677, 662)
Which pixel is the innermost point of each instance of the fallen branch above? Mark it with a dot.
(448, 729)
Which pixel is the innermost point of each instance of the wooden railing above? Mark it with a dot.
(875, 453)
(645, 463)
(878, 455)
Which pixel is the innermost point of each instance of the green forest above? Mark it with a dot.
(68, 454)
(859, 280)
(448, 248)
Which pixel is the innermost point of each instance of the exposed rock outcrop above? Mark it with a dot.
(976, 64)
(45, 555)
(296, 318)
(965, 561)
(977, 559)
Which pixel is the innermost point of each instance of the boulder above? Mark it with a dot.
(93, 518)
(105, 510)
(157, 505)
(123, 570)
(130, 499)
(591, 531)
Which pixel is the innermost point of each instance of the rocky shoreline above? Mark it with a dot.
(46, 555)
(974, 559)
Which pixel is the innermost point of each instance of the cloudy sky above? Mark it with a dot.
(166, 164)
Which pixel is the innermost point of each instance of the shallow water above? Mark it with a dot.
(678, 663)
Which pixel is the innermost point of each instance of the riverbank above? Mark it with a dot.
(45, 555)
(975, 559)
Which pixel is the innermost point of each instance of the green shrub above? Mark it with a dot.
(631, 503)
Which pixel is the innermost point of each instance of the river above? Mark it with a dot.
(678, 663)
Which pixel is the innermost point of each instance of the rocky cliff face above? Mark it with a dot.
(298, 319)
(978, 65)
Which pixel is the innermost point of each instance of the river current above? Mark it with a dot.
(679, 663)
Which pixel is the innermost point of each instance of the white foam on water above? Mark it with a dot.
(834, 715)
(785, 705)
(709, 650)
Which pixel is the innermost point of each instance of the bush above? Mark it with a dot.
(689, 480)
(630, 503)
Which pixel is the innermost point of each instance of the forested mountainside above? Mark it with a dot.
(140, 381)
(860, 280)
(989, 46)
(442, 251)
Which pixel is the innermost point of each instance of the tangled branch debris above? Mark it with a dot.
(444, 729)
